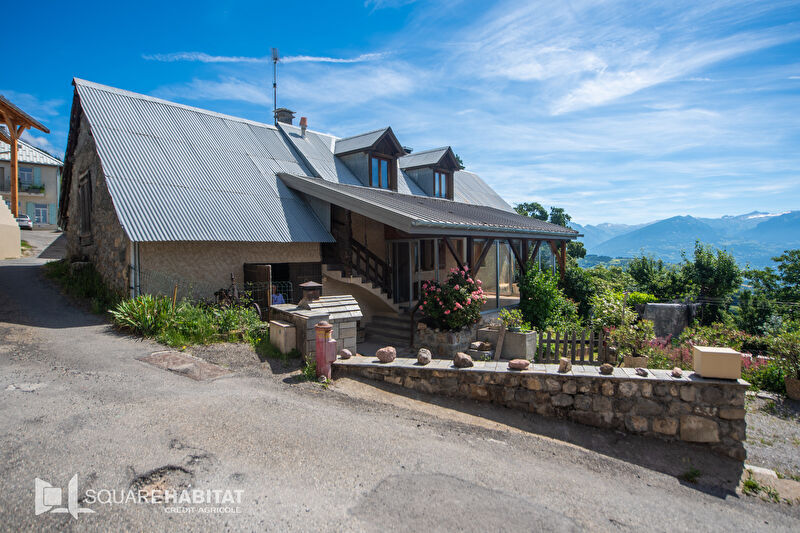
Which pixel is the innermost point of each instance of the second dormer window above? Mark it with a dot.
(440, 184)
(379, 173)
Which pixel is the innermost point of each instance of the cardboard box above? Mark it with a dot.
(717, 362)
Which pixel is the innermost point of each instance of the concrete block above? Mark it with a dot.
(282, 335)
(717, 362)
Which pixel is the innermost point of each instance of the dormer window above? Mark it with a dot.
(440, 184)
(379, 174)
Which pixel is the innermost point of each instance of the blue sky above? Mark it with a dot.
(618, 111)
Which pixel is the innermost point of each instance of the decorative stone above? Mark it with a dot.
(424, 356)
(481, 346)
(345, 354)
(699, 429)
(606, 369)
(641, 372)
(462, 360)
(387, 354)
(677, 372)
(564, 365)
(518, 364)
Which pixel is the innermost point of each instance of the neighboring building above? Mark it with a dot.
(156, 190)
(39, 182)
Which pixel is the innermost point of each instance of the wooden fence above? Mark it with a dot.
(585, 348)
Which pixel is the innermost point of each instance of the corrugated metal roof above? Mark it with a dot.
(27, 153)
(423, 159)
(355, 143)
(317, 149)
(423, 214)
(469, 188)
(178, 173)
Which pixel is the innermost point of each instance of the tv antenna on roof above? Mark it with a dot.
(275, 59)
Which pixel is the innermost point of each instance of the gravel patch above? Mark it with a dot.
(243, 359)
(773, 434)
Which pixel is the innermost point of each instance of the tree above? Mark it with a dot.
(460, 162)
(714, 276)
(532, 210)
(653, 276)
(576, 250)
(559, 217)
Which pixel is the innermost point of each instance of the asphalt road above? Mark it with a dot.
(74, 400)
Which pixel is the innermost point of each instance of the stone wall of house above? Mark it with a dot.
(210, 264)
(107, 246)
(690, 409)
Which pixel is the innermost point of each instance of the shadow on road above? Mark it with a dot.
(56, 250)
(27, 298)
(718, 476)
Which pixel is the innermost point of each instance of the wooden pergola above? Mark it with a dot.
(16, 121)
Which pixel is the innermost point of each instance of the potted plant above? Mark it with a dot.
(512, 320)
(632, 342)
(787, 348)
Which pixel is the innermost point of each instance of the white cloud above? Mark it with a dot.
(203, 57)
(40, 141)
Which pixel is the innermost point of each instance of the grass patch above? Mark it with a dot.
(691, 475)
(309, 371)
(187, 323)
(25, 245)
(752, 487)
(83, 282)
(265, 349)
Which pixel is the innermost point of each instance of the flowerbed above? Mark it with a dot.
(453, 304)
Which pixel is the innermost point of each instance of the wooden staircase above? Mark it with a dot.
(337, 273)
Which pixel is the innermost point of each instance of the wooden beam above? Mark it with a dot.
(481, 258)
(535, 254)
(14, 177)
(517, 255)
(559, 249)
(471, 254)
(453, 251)
(5, 138)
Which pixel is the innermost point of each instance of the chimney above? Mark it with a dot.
(311, 291)
(284, 115)
(407, 149)
(303, 126)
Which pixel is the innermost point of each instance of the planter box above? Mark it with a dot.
(283, 335)
(444, 343)
(717, 362)
(519, 345)
(634, 362)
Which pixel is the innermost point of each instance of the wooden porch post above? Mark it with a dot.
(17, 121)
(471, 255)
(559, 249)
(453, 251)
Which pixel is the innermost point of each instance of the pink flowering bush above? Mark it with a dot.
(452, 304)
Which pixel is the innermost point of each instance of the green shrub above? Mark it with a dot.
(543, 304)
(608, 311)
(144, 315)
(513, 320)
(717, 334)
(187, 323)
(453, 304)
(579, 286)
(633, 339)
(764, 376)
(786, 347)
(641, 298)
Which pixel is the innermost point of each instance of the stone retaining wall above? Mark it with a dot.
(689, 408)
(444, 343)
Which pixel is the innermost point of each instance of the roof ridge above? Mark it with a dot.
(362, 134)
(140, 96)
(427, 151)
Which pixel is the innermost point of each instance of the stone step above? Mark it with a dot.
(478, 355)
(489, 335)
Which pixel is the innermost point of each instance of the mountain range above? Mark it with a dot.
(753, 238)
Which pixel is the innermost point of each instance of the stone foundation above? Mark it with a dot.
(690, 408)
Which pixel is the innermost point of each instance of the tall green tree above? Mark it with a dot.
(714, 276)
(559, 217)
(531, 209)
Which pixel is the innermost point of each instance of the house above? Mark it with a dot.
(155, 190)
(39, 181)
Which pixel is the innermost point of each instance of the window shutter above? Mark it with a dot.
(53, 214)
(30, 210)
(37, 176)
